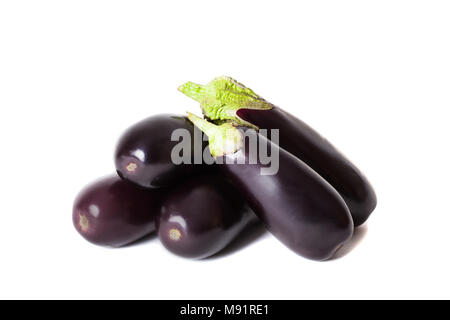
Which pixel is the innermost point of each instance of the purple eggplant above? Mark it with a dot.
(226, 99)
(113, 212)
(202, 216)
(144, 152)
(296, 204)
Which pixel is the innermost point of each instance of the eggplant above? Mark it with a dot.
(295, 203)
(114, 212)
(226, 99)
(144, 152)
(202, 216)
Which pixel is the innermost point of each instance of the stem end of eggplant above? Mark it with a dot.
(223, 139)
(221, 98)
(192, 90)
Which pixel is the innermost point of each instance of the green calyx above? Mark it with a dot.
(221, 98)
(223, 139)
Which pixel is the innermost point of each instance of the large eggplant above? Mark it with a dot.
(226, 99)
(144, 152)
(202, 216)
(296, 204)
(114, 212)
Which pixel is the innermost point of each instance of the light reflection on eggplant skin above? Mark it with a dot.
(178, 219)
(94, 210)
(139, 154)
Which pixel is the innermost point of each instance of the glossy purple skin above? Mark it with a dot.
(113, 212)
(143, 153)
(306, 144)
(297, 205)
(201, 217)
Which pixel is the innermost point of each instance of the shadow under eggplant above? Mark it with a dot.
(358, 235)
(252, 233)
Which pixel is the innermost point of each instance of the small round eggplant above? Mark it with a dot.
(144, 152)
(296, 204)
(226, 99)
(201, 217)
(113, 212)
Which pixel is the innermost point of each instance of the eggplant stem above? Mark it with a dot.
(192, 90)
(223, 139)
(221, 98)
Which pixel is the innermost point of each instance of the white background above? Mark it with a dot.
(371, 76)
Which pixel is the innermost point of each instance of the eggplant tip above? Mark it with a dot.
(83, 222)
(174, 234)
(131, 167)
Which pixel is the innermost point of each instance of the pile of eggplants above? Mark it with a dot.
(311, 203)
(195, 212)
